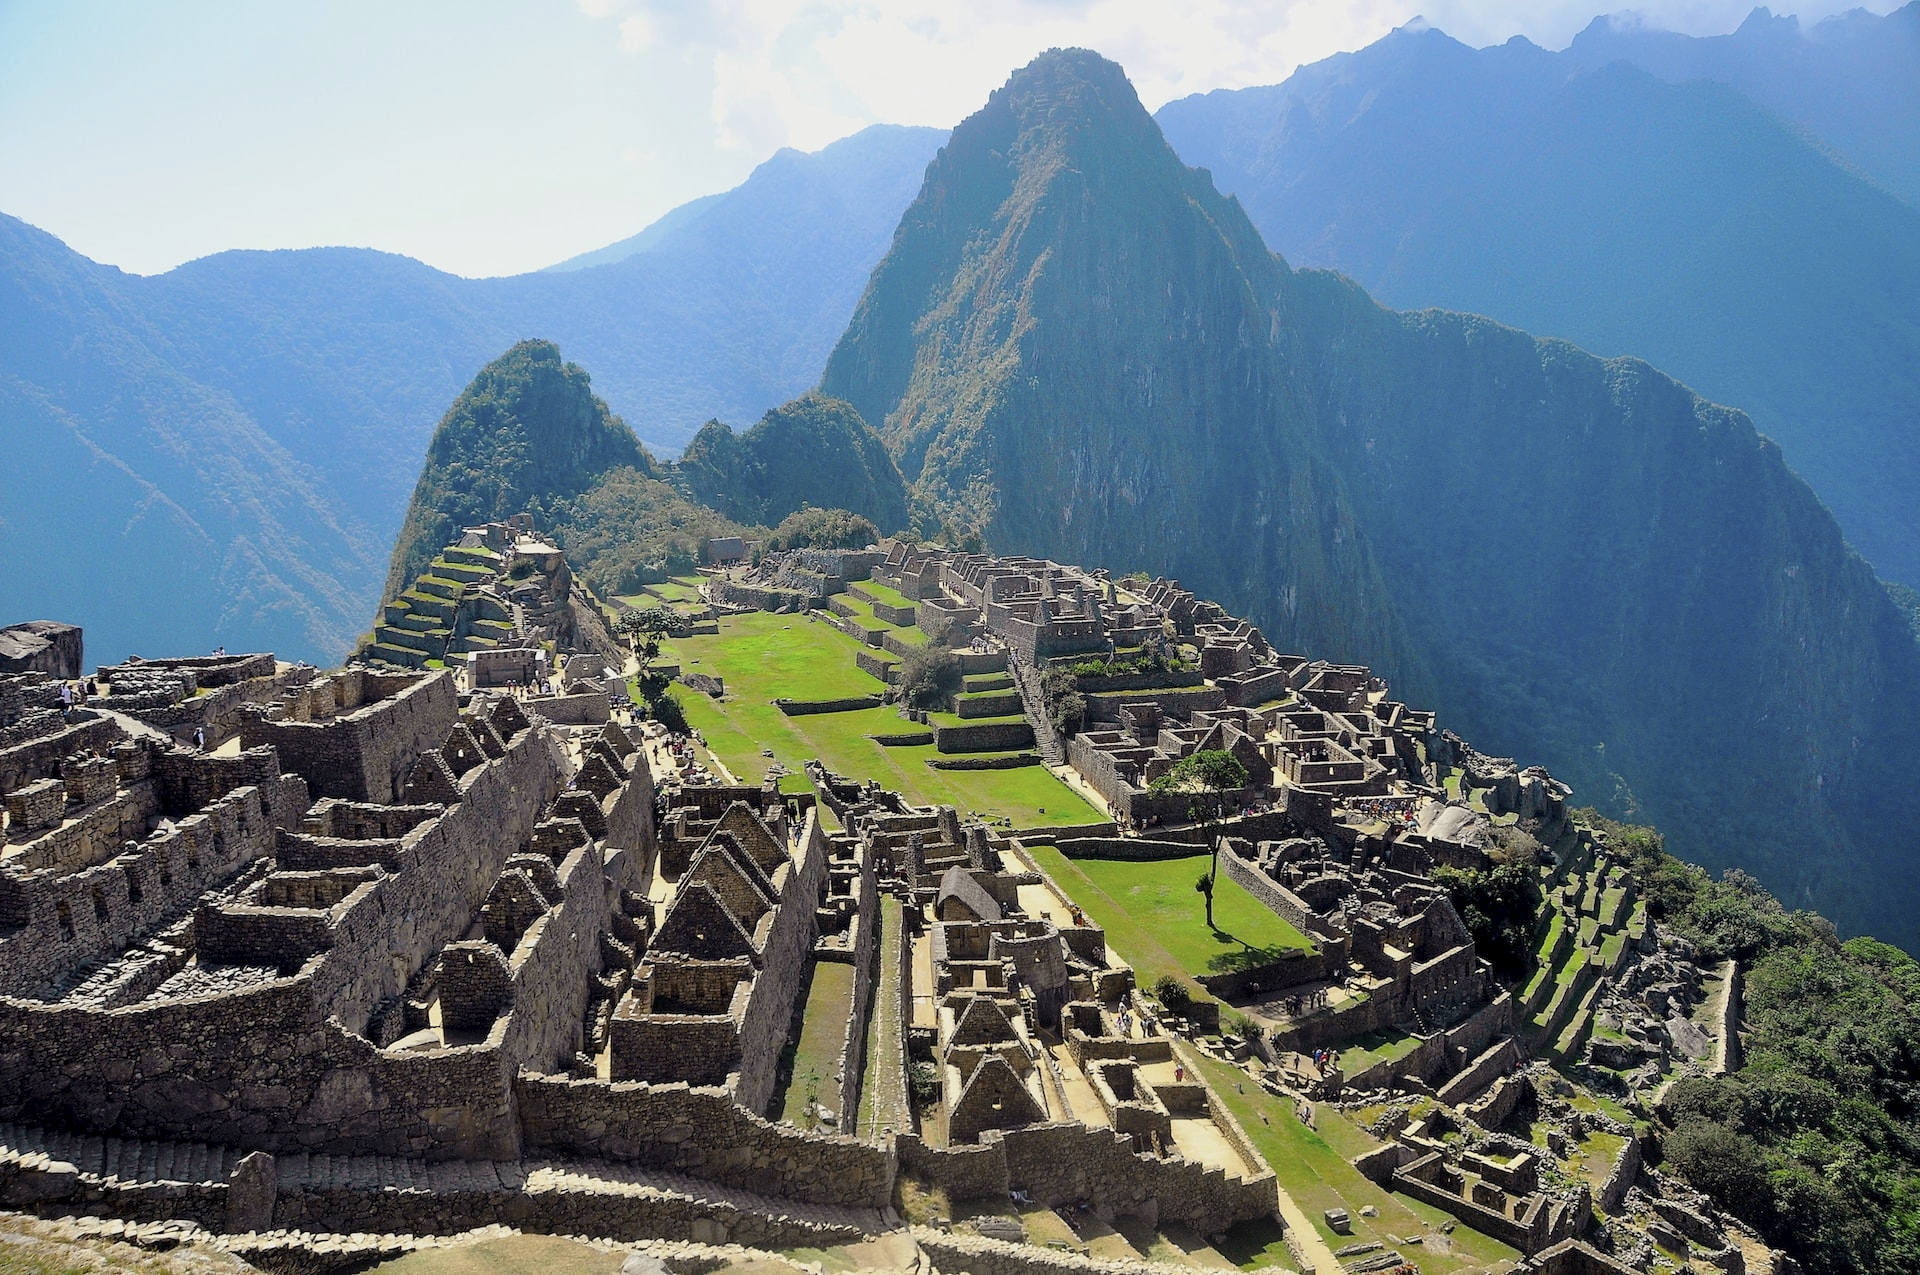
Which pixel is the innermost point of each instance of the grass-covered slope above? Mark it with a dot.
(1079, 345)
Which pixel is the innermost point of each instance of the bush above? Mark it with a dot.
(666, 709)
(824, 529)
(1066, 707)
(929, 677)
(1172, 993)
(924, 1081)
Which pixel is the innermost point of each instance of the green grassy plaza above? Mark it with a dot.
(763, 657)
(823, 1032)
(1157, 920)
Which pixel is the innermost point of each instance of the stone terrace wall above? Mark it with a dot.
(365, 755)
(1069, 1163)
(257, 1068)
(702, 1133)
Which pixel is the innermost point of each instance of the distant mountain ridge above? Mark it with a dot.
(1079, 346)
(245, 430)
(1575, 195)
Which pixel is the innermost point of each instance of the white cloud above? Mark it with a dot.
(804, 72)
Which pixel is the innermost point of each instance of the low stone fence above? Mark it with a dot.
(982, 737)
(874, 664)
(1015, 762)
(1130, 849)
(807, 707)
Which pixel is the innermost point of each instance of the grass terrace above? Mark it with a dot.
(816, 1056)
(763, 657)
(1157, 920)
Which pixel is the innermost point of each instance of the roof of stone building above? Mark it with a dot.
(700, 925)
(747, 893)
(958, 884)
(982, 1022)
(753, 836)
(994, 1098)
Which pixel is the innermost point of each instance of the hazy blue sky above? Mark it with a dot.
(487, 137)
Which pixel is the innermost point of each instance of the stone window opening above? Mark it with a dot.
(166, 872)
(134, 893)
(64, 915)
(100, 913)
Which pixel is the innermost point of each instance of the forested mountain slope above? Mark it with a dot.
(1578, 196)
(1079, 346)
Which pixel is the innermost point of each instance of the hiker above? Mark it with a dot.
(200, 738)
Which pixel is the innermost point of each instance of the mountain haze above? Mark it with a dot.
(1576, 195)
(246, 429)
(1078, 345)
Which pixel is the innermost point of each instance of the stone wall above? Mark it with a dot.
(700, 1132)
(1069, 1163)
(365, 755)
(866, 968)
(977, 1172)
(40, 758)
(65, 921)
(802, 708)
(1289, 906)
(588, 708)
(982, 737)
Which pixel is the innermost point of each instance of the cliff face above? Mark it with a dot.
(813, 451)
(1072, 347)
(1078, 345)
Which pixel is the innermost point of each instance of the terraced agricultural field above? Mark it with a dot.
(762, 657)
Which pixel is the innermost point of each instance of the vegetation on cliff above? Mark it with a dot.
(813, 451)
(1815, 1141)
(529, 435)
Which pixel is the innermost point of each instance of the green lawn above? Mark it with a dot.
(1371, 1048)
(762, 657)
(1157, 920)
(823, 1030)
(1313, 1167)
(882, 593)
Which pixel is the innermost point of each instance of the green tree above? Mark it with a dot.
(1210, 775)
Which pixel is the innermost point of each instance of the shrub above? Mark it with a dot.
(929, 677)
(1172, 993)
